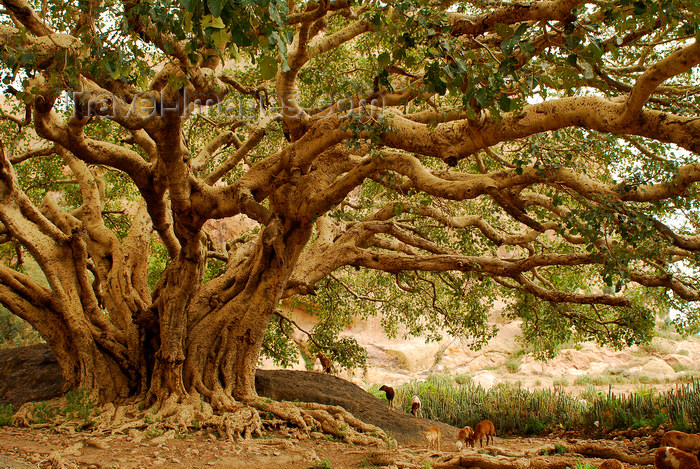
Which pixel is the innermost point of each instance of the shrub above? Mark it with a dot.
(463, 378)
(80, 405)
(6, 415)
(564, 381)
(43, 412)
(513, 365)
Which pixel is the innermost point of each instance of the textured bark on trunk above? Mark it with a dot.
(229, 318)
(178, 285)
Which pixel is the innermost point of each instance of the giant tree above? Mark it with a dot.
(414, 157)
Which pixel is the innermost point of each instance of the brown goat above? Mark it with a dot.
(325, 362)
(483, 429)
(389, 392)
(689, 442)
(674, 458)
(433, 435)
(464, 435)
(611, 464)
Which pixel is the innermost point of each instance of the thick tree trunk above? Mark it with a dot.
(223, 348)
(230, 318)
(178, 285)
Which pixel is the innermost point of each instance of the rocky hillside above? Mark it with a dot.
(667, 360)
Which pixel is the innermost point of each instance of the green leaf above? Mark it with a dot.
(220, 38)
(481, 97)
(209, 21)
(640, 8)
(521, 30)
(504, 30)
(505, 103)
(263, 41)
(188, 5)
(383, 59)
(268, 67)
(276, 15)
(527, 48)
(215, 7)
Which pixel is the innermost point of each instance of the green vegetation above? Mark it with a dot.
(15, 332)
(152, 431)
(324, 464)
(6, 415)
(43, 412)
(513, 365)
(616, 377)
(515, 410)
(564, 381)
(79, 406)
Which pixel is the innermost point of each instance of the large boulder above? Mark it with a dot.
(654, 368)
(677, 361)
(485, 380)
(414, 355)
(29, 374)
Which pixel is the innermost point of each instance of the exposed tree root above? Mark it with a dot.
(243, 422)
(410, 460)
(334, 420)
(238, 420)
(605, 451)
(497, 462)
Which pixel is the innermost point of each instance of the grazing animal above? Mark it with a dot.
(464, 435)
(433, 435)
(611, 464)
(483, 429)
(674, 458)
(689, 442)
(389, 392)
(325, 362)
(415, 406)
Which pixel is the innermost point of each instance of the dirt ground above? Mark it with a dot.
(22, 448)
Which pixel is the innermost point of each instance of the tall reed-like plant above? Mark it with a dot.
(513, 409)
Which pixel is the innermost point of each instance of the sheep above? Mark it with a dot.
(483, 429)
(433, 435)
(611, 464)
(464, 435)
(674, 458)
(389, 392)
(415, 406)
(689, 442)
(325, 362)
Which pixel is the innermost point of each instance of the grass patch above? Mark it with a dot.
(564, 381)
(79, 406)
(513, 365)
(6, 415)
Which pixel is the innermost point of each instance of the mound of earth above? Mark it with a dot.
(32, 374)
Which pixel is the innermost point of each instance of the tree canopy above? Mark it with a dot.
(418, 159)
